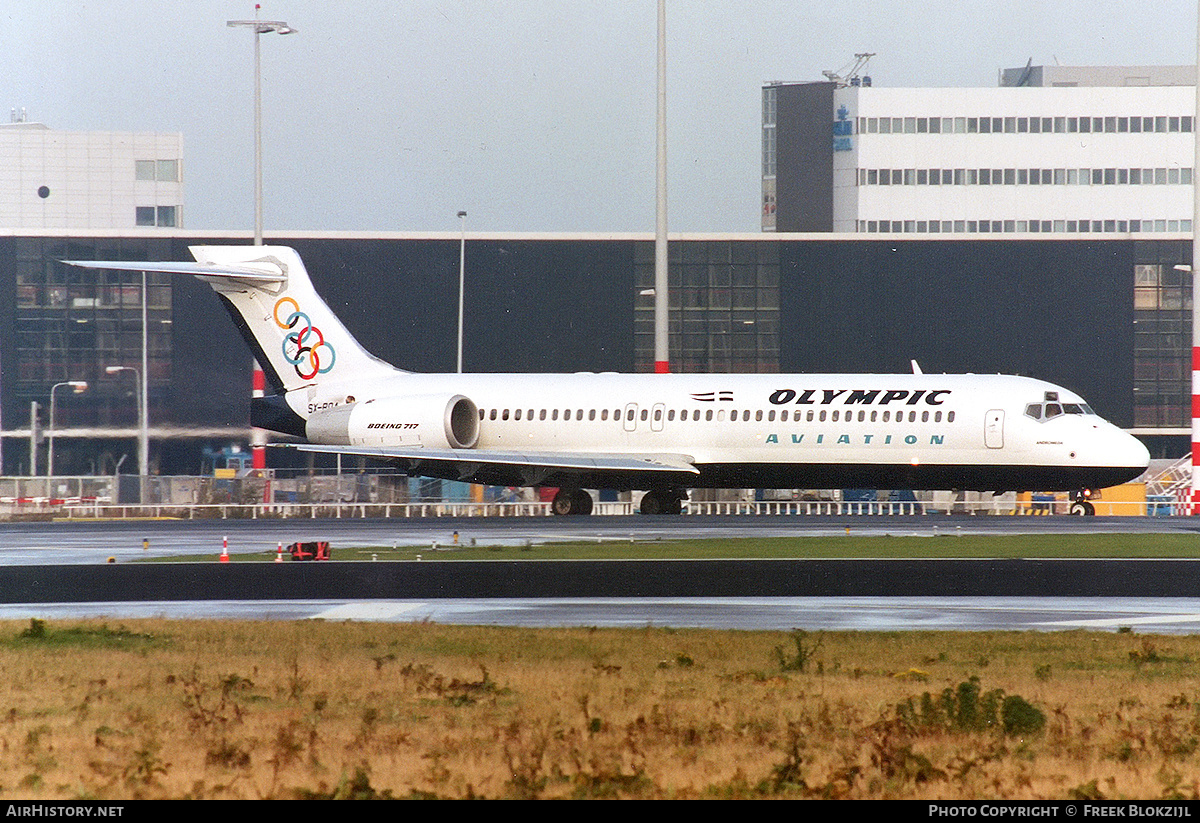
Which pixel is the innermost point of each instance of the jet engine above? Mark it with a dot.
(433, 421)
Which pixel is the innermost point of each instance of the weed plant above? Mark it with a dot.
(161, 709)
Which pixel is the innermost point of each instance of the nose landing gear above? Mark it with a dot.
(1081, 503)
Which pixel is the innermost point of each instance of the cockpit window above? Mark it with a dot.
(1051, 408)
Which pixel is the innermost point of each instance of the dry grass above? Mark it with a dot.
(291, 709)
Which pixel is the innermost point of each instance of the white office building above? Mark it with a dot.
(53, 179)
(1051, 149)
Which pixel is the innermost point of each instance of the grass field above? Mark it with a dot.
(944, 544)
(311, 709)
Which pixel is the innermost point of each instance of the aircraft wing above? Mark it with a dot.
(264, 271)
(530, 468)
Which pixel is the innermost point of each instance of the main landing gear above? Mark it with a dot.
(663, 501)
(655, 501)
(1081, 503)
(571, 501)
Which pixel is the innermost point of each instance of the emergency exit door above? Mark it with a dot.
(993, 429)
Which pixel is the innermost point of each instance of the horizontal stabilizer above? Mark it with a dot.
(566, 461)
(263, 272)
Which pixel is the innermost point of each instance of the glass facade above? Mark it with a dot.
(71, 324)
(1162, 309)
(724, 307)
(1110, 318)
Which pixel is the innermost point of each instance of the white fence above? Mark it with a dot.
(96, 510)
(371, 496)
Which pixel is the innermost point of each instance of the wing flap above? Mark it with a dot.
(566, 461)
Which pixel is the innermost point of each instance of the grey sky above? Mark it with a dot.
(532, 116)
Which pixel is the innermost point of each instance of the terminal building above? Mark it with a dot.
(51, 179)
(1056, 150)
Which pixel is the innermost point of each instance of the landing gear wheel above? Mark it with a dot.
(571, 501)
(662, 502)
(582, 502)
(651, 504)
(1082, 508)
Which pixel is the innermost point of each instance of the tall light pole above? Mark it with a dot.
(462, 277)
(258, 438)
(143, 417)
(260, 27)
(661, 315)
(79, 387)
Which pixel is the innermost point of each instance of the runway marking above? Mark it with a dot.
(366, 610)
(1116, 622)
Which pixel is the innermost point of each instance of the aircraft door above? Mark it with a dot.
(630, 421)
(993, 429)
(657, 413)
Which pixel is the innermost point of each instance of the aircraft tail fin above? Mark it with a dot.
(295, 336)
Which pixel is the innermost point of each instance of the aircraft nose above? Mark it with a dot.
(1129, 451)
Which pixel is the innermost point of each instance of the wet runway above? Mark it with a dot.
(43, 544)
(95, 541)
(1143, 615)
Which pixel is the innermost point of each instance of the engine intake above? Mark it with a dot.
(433, 421)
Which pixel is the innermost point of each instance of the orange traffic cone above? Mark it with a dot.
(225, 549)
(279, 553)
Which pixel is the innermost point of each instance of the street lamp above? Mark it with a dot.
(79, 387)
(462, 269)
(143, 418)
(260, 27)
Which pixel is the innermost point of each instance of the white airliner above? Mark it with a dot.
(661, 433)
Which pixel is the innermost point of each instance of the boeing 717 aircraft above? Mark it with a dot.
(664, 434)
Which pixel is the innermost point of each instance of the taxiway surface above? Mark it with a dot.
(50, 544)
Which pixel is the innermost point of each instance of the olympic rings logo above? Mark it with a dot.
(309, 353)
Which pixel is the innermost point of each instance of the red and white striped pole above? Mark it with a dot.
(1195, 507)
(258, 437)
